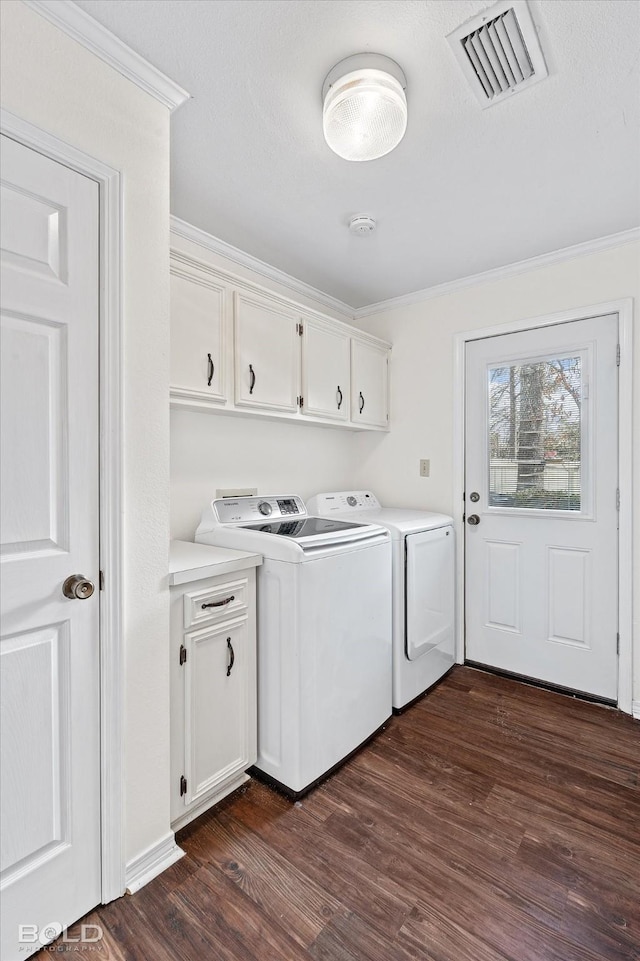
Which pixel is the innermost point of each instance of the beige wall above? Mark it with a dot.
(423, 388)
(53, 82)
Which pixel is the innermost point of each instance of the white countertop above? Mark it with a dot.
(193, 562)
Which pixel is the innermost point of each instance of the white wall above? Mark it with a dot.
(210, 451)
(213, 450)
(422, 387)
(53, 82)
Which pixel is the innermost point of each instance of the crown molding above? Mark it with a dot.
(501, 273)
(180, 228)
(91, 34)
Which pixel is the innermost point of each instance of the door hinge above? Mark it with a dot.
(617, 355)
(183, 785)
(101, 580)
(617, 643)
(617, 498)
(299, 329)
(301, 402)
(183, 654)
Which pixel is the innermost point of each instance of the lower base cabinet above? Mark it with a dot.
(213, 691)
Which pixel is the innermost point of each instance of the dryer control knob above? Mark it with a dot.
(352, 501)
(265, 508)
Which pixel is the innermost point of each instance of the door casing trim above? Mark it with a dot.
(111, 529)
(624, 309)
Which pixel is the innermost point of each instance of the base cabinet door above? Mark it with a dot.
(325, 371)
(369, 384)
(216, 697)
(213, 693)
(267, 354)
(198, 324)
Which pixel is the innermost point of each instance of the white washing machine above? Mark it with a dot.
(324, 632)
(423, 587)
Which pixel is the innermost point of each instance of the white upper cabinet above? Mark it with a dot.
(267, 353)
(243, 348)
(325, 371)
(369, 384)
(199, 305)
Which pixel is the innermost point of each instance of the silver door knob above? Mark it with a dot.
(473, 519)
(78, 587)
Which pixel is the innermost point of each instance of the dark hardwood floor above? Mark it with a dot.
(492, 821)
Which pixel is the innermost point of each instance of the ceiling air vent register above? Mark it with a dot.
(499, 51)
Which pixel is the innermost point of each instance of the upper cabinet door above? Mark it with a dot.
(198, 321)
(267, 354)
(325, 371)
(369, 384)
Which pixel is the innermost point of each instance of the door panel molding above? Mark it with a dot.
(624, 309)
(111, 533)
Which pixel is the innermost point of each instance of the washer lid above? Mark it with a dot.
(305, 527)
(284, 545)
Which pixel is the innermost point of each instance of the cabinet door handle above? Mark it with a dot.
(339, 397)
(232, 656)
(252, 382)
(227, 600)
(361, 401)
(211, 370)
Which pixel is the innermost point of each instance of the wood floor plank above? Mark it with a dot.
(359, 887)
(271, 881)
(240, 928)
(492, 821)
(350, 938)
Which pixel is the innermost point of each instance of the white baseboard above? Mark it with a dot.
(635, 710)
(152, 862)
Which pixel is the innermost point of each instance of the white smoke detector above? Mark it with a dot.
(362, 225)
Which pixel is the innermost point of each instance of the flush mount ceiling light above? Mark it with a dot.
(365, 107)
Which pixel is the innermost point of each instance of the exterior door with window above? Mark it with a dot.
(541, 512)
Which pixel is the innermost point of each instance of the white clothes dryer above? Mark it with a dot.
(324, 632)
(423, 587)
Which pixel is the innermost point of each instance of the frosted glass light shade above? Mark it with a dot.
(364, 115)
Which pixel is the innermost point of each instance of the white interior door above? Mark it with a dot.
(541, 530)
(50, 733)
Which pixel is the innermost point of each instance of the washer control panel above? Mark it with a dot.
(342, 502)
(237, 510)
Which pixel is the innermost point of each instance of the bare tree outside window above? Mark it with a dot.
(535, 434)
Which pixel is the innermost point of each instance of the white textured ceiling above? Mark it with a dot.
(467, 189)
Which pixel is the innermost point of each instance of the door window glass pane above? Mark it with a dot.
(535, 435)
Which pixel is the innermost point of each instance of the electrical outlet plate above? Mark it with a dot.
(425, 468)
(236, 492)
